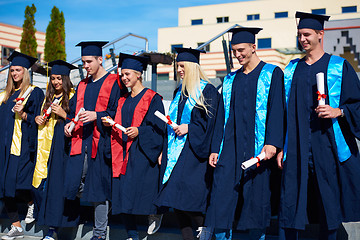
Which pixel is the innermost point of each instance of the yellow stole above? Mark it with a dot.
(17, 134)
(2, 95)
(45, 137)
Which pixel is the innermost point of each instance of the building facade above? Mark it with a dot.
(276, 43)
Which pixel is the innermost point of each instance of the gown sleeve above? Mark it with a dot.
(219, 126)
(274, 134)
(202, 123)
(152, 130)
(350, 99)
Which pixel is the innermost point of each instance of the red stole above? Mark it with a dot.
(101, 105)
(118, 162)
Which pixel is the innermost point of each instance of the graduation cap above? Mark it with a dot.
(188, 55)
(60, 67)
(312, 21)
(137, 63)
(244, 35)
(20, 59)
(91, 48)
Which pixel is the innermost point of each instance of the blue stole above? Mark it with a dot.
(262, 95)
(176, 143)
(334, 80)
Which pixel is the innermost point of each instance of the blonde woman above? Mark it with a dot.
(18, 139)
(185, 177)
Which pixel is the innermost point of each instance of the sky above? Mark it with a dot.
(103, 20)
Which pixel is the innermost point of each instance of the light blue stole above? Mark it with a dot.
(334, 80)
(262, 95)
(176, 143)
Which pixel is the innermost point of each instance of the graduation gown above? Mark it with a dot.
(188, 186)
(97, 186)
(244, 196)
(134, 192)
(53, 209)
(17, 171)
(308, 134)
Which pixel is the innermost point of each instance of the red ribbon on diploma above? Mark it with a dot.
(19, 99)
(45, 113)
(320, 96)
(169, 120)
(258, 163)
(72, 119)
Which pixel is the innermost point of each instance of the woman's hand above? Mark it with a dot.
(104, 122)
(132, 132)
(181, 129)
(58, 110)
(40, 120)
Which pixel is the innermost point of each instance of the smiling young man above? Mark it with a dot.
(321, 165)
(88, 170)
(249, 121)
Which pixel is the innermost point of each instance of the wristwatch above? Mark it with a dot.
(342, 112)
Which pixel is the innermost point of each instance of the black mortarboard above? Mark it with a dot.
(137, 63)
(244, 35)
(188, 55)
(60, 67)
(312, 21)
(91, 48)
(20, 59)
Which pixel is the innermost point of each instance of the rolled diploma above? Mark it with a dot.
(163, 117)
(320, 86)
(112, 123)
(72, 125)
(48, 111)
(24, 96)
(253, 161)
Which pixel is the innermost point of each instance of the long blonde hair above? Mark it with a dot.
(10, 86)
(191, 82)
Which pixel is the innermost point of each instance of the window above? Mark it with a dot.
(318, 11)
(5, 53)
(349, 9)
(206, 48)
(163, 76)
(264, 43)
(253, 17)
(281, 14)
(222, 19)
(196, 21)
(173, 46)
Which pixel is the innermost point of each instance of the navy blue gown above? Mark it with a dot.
(237, 195)
(98, 179)
(188, 186)
(134, 192)
(17, 171)
(53, 209)
(309, 135)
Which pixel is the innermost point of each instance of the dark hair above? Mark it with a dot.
(67, 86)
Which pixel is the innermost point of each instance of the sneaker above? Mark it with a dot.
(13, 233)
(30, 214)
(51, 235)
(48, 238)
(204, 233)
(154, 223)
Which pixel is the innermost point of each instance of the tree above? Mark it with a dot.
(28, 44)
(55, 37)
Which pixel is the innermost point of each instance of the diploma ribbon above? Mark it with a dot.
(258, 163)
(169, 120)
(45, 113)
(20, 99)
(320, 96)
(73, 120)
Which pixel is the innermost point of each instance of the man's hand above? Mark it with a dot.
(88, 116)
(213, 159)
(280, 159)
(325, 111)
(132, 132)
(270, 151)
